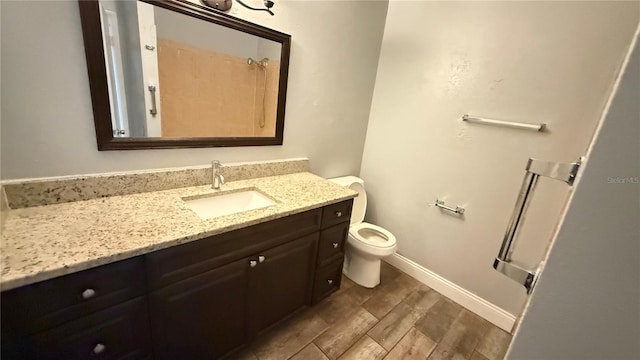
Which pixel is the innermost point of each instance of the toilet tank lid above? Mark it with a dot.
(346, 181)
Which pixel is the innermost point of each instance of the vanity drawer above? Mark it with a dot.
(119, 332)
(336, 213)
(168, 266)
(332, 242)
(328, 279)
(50, 303)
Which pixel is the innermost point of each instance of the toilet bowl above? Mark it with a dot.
(367, 243)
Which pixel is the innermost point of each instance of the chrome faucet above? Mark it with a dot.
(217, 178)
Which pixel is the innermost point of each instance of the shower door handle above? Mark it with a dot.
(535, 168)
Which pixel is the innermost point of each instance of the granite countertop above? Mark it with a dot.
(43, 242)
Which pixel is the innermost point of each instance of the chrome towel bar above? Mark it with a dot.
(565, 172)
(457, 210)
(511, 124)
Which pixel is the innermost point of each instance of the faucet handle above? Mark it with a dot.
(216, 164)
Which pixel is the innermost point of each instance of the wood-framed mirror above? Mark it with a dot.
(177, 74)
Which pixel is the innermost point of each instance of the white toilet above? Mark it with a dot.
(367, 243)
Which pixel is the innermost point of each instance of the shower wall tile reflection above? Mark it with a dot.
(208, 94)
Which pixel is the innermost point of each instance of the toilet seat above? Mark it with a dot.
(366, 244)
(372, 235)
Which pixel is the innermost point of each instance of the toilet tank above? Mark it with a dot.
(360, 202)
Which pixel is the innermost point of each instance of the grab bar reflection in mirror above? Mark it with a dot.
(154, 108)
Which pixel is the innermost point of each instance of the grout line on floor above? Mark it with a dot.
(395, 307)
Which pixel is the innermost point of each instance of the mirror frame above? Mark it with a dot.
(94, 51)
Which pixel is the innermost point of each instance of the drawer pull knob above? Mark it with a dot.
(338, 213)
(99, 348)
(335, 245)
(261, 258)
(330, 281)
(253, 263)
(88, 294)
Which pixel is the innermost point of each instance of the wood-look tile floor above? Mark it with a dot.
(399, 319)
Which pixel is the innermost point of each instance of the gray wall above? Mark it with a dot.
(587, 302)
(47, 121)
(527, 61)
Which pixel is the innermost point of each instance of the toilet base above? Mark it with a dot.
(364, 271)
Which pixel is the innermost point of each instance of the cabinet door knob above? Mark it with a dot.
(99, 348)
(338, 213)
(261, 258)
(330, 281)
(88, 294)
(335, 245)
(253, 263)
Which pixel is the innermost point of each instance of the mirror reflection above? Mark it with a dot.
(174, 76)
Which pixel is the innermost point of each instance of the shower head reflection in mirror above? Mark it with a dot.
(262, 63)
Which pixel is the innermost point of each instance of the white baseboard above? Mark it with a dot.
(468, 300)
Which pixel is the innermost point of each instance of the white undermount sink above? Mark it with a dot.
(228, 203)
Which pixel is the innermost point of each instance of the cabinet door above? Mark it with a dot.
(281, 282)
(54, 302)
(202, 317)
(119, 332)
(332, 241)
(336, 213)
(328, 279)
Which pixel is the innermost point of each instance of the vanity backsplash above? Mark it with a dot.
(4, 206)
(47, 191)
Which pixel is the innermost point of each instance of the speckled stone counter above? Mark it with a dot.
(40, 243)
(47, 191)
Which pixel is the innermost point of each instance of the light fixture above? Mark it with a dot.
(225, 5)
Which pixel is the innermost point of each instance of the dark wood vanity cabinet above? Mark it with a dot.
(331, 249)
(202, 317)
(336, 213)
(211, 314)
(99, 313)
(281, 283)
(200, 300)
(119, 332)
